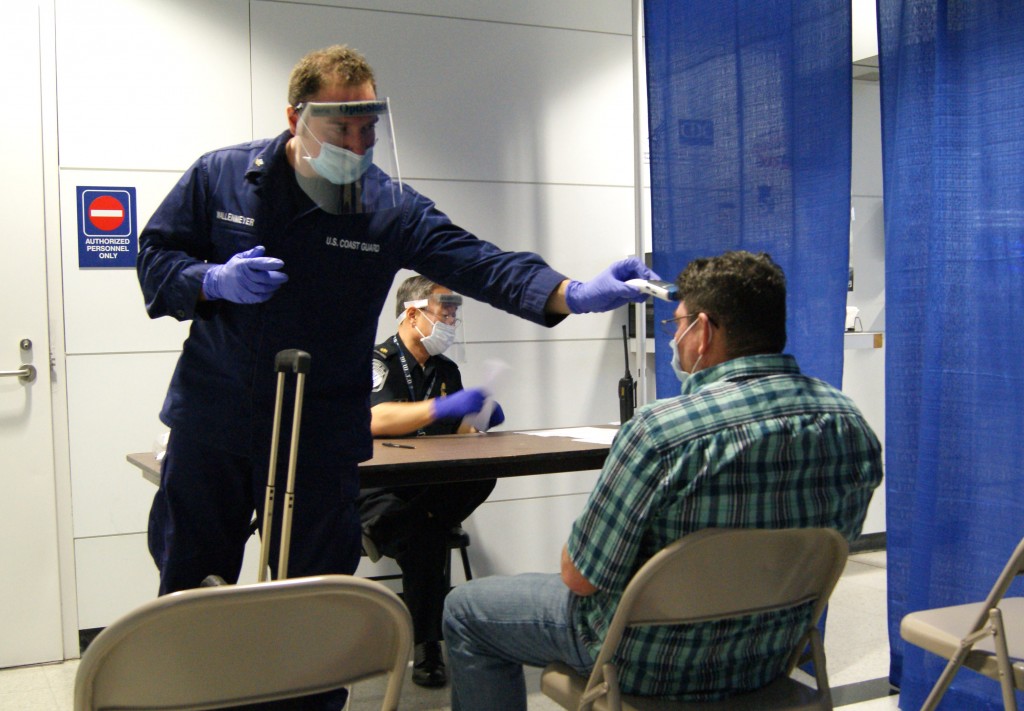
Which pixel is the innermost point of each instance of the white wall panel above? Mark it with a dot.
(115, 575)
(579, 230)
(113, 403)
(506, 537)
(384, 566)
(512, 537)
(552, 384)
(151, 83)
(864, 381)
(867, 255)
(251, 561)
(592, 15)
(864, 30)
(544, 485)
(104, 308)
(864, 370)
(866, 171)
(472, 100)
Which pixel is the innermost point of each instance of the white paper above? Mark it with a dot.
(480, 420)
(595, 435)
(493, 371)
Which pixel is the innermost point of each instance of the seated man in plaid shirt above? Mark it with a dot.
(749, 443)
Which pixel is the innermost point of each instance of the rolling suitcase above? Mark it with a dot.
(294, 361)
(297, 362)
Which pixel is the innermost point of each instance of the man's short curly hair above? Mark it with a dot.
(743, 293)
(335, 65)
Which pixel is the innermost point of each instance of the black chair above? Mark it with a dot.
(458, 538)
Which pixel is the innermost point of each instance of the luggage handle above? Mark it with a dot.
(292, 360)
(298, 362)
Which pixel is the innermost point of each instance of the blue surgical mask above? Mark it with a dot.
(341, 166)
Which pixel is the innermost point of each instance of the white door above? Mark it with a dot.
(30, 612)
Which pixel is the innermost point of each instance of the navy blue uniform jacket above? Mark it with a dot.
(340, 269)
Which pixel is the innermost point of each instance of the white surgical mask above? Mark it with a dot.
(441, 337)
(340, 166)
(677, 367)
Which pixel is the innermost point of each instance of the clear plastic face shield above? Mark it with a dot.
(441, 328)
(348, 161)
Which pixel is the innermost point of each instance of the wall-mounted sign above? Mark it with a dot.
(107, 228)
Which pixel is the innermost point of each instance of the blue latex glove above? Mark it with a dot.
(247, 278)
(459, 404)
(606, 291)
(497, 416)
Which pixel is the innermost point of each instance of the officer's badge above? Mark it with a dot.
(380, 375)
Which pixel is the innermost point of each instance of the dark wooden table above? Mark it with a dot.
(449, 458)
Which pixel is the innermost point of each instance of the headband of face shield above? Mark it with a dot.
(348, 162)
(442, 312)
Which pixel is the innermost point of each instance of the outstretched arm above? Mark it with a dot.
(604, 292)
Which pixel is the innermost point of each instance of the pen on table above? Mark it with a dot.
(397, 445)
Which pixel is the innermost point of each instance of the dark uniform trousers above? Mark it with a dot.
(411, 524)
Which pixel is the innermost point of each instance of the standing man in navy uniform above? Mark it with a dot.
(293, 242)
(418, 391)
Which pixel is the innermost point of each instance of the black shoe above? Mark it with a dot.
(428, 665)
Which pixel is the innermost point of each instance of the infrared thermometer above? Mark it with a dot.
(664, 290)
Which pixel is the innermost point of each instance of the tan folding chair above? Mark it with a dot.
(230, 645)
(717, 574)
(986, 637)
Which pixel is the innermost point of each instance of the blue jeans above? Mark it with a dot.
(493, 626)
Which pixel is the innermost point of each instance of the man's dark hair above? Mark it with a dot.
(743, 293)
(335, 65)
(413, 289)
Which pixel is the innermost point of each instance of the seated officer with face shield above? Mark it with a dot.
(418, 391)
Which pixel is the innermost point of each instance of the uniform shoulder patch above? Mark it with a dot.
(380, 374)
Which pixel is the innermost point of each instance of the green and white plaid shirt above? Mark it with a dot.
(750, 443)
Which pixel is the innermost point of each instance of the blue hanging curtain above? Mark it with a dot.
(750, 149)
(952, 86)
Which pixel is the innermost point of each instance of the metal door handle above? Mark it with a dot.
(26, 374)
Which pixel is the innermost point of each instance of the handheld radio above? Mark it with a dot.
(627, 387)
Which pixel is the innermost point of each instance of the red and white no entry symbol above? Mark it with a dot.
(106, 213)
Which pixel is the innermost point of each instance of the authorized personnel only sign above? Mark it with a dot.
(107, 228)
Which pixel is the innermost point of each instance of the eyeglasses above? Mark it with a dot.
(669, 326)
